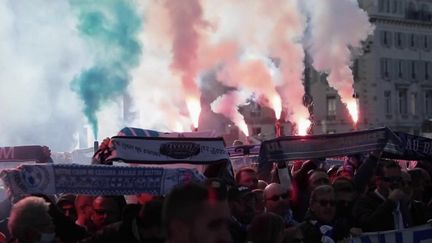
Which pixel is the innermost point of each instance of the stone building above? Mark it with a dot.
(393, 77)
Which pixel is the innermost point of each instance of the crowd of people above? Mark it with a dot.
(301, 202)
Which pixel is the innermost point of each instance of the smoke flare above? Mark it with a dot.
(227, 105)
(186, 20)
(336, 28)
(286, 46)
(110, 28)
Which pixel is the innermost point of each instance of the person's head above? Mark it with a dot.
(84, 209)
(322, 203)
(150, 221)
(242, 202)
(421, 183)
(29, 221)
(317, 178)
(276, 199)
(66, 204)
(196, 213)
(107, 210)
(388, 177)
(266, 228)
(344, 195)
(344, 188)
(247, 177)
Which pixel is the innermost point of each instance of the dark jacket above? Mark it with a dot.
(418, 212)
(117, 232)
(372, 213)
(65, 228)
(311, 233)
(311, 230)
(238, 232)
(123, 231)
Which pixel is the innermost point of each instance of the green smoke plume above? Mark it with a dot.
(110, 28)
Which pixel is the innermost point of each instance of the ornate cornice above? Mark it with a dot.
(399, 21)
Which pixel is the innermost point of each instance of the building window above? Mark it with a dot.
(424, 13)
(381, 6)
(412, 69)
(386, 38)
(411, 12)
(429, 41)
(428, 70)
(400, 40)
(403, 102)
(388, 103)
(425, 41)
(412, 41)
(413, 104)
(385, 68)
(331, 107)
(395, 6)
(384, 6)
(428, 103)
(400, 68)
(256, 130)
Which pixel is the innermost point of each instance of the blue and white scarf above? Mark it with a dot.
(95, 179)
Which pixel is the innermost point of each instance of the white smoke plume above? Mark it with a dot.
(255, 47)
(227, 105)
(157, 92)
(40, 53)
(336, 28)
(286, 46)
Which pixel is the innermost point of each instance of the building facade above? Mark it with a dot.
(262, 122)
(392, 78)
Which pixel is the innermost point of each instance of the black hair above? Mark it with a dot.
(386, 163)
(184, 202)
(151, 214)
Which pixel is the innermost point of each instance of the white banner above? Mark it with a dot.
(420, 234)
(168, 150)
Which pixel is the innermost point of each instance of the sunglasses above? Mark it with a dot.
(277, 197)
(324, 203)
